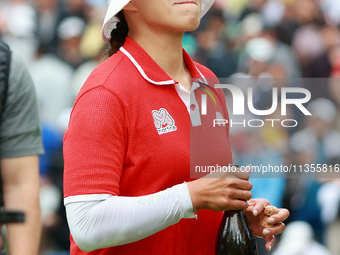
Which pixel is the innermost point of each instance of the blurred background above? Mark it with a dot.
(285, 40)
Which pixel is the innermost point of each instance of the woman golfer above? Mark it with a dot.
(127, 185)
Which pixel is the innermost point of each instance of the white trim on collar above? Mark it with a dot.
(194, 114)
(204, 79)
(140, 69)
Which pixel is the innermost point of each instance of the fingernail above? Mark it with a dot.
(270, 220)
(266, 232)
(255, 212)
(272, 242)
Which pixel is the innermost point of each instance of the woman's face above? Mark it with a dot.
(171, 15)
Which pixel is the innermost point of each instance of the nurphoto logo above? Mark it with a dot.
(239, 103)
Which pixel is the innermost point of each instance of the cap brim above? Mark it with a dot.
(116, 6)
(206, 5)
(110, 19)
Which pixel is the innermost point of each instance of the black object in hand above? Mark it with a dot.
(234, 235)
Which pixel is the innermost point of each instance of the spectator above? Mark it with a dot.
(91, 47)
(299, 240)
(17, 28)
(75, 8)
(52, 78)
(20, 145)
(47, 22)
(329, 199)
(70, 32)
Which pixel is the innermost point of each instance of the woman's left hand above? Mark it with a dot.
(255, 214)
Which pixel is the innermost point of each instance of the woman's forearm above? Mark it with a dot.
(114, 221)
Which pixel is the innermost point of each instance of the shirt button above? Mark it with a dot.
(193, 107)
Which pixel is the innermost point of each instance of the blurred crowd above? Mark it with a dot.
(60, 42)
(273, 43)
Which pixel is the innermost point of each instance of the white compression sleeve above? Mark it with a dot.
(97, 223)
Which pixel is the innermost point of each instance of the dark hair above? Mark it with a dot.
(118, 35)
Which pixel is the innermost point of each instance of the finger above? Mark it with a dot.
(282, 215)
(242, 195)
(260, 205)
(248, 168)
(243, 185)
(249, 211)
(275, 230)
(252, 202)
(237, 205)
(243, 172)
(270, 240)
(235, 172)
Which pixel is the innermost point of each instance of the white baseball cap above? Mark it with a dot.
(116, 6)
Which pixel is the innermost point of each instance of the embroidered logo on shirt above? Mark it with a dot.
(163, 121)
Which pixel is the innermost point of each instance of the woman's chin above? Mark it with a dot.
(189, 22)
(193, 24)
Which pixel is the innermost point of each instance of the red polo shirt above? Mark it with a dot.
(130, 135)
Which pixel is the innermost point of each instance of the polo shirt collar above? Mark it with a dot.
(149, 69)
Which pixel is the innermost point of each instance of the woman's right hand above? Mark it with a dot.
(221, 191)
